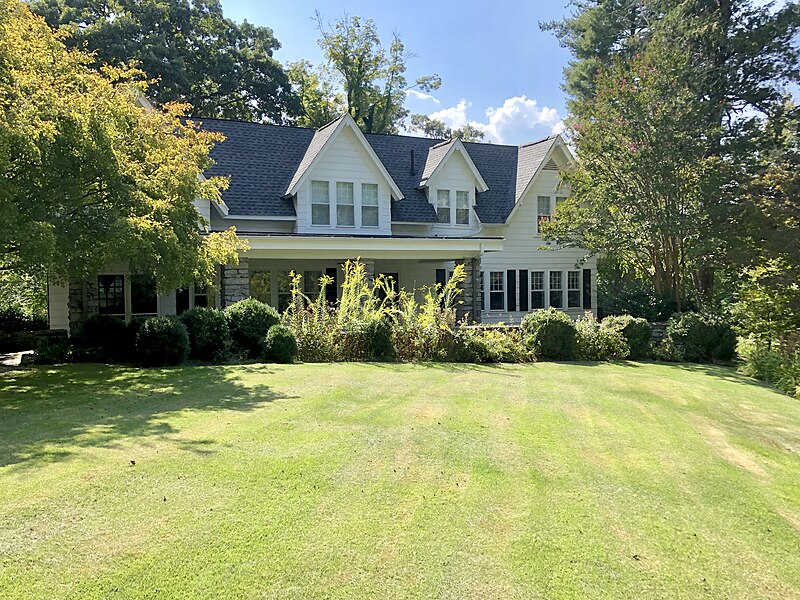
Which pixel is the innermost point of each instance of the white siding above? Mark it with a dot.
(266, 225)
(454, 175)
(522, 249)
(346, 160)
(58, 306)
(204, 208)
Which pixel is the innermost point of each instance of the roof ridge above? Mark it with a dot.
(549, 137)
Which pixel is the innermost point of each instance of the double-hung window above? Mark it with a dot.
(284, 290)
(573, 289)
(345, 204)
(111, 295)
(443, 206)
(537, 289)
(543, 210)
(320, 203)
(462, 208)
(260, 286)
(497, 290)
(311, 283)
(369, 205)
(144, 301)
(556, 289)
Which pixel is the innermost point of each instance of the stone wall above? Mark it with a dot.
(470, 302)
(235, 282)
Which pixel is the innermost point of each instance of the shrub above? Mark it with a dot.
(598, 341)
(775, 365)
(249, 321)
(105, 338)
(637, 332)
(700, 337)
(162, 341)
(280, 345)
(51, 351)
(14, 319)
(550, 334)
(209, 333)
(491, 345)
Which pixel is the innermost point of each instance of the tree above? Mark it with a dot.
(434, 128)
(87, 176)
(360, 76)
(188, 50)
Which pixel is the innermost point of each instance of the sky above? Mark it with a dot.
(499, 71)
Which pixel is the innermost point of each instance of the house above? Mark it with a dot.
(409, 207)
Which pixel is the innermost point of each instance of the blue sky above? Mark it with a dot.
(498, 69)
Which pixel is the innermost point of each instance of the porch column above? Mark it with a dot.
(369, 270)
(235, 282)
(470, 290)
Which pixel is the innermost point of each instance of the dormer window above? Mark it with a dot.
(544, 211)
(369, 205)
(345, 204)
(320, 203)
(450, 212)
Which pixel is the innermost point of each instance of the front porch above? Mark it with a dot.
(413, 263)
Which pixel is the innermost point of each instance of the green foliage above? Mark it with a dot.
(209, 333)
(371, 77)
(189, 50)
(249, 322)
(779, 366)
(550, 334)
(637, 333)
(17, 319)
(280, 345)
(162, 341)
(24, 294)
(491, 345)
(52, 352)
(622, 292)
(104, 338)
(89, 177)
(599, 341)
(434, 128)
(700, 337)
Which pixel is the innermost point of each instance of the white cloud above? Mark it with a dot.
(517, 121)
(422, 96)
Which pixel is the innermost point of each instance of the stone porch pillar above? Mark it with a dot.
(470, 305)
(369, 270)
(235, 282)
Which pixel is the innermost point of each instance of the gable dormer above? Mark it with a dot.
(341, 186)
(451, 181)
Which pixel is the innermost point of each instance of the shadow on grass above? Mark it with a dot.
(47, 413)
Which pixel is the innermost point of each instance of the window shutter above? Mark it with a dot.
(587, 288)
(441, 277)
(511, 291)
(331, 288)
(523, 290)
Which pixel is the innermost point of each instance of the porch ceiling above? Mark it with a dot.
(342, 247)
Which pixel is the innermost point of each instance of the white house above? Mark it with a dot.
(410, 207)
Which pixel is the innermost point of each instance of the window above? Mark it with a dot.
(284, 290)
(573, 289)
(111, 295)
(194, 296)
(497, 290)
(311, 283)
(260, 287)
(543, 209)
(345, 204)
(483, 291)
(144, 300)
(537, 289)
(369, 205)
(320, 203)
(462, 208)
(201, 296)
(443, 205)
(556, 289)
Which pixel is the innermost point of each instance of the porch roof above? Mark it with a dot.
(342, 247)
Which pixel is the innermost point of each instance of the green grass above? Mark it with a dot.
(626, 480)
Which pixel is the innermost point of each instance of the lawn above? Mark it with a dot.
(626, 480)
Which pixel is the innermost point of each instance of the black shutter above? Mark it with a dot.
(511, 298)
(587, 288)
(331, 289)
(523, 290)
(441, 277)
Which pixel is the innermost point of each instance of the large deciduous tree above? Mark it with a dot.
(438, 129)
(360, 76)
(87, 176)
(189, 50)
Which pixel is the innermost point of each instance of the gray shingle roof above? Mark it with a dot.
(262, 161)
(436, 154)
(321, 136)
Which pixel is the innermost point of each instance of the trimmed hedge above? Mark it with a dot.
(162, 341)
(280, 345)
(105, 338)
(550, 334)
(209, 333)
(249, 321)
(699, 337)
(599, 341)
(637, 332)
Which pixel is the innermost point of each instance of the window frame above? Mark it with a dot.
(313, 203)
(136, 280)
(540, 216)
(466, 197)
(351, 205)
(122, 294)
(555, 290)
(537, 287)
(440, 206)
(494, 290)
(376, 206)
(574, 292)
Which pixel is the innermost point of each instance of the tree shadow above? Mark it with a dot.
(48, 413)
(724, 372)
